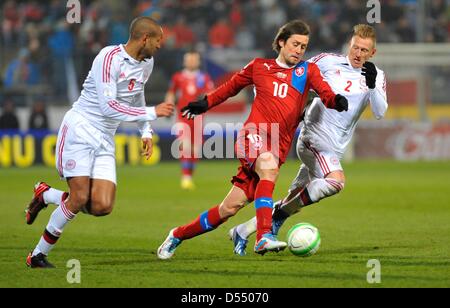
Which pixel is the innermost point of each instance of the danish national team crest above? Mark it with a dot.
(71, 164)
(335, 161)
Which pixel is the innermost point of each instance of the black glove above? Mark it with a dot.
(195, 108)
(340, 103)
(370, 72)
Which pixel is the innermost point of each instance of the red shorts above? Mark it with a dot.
(247, 180)
(248, 148)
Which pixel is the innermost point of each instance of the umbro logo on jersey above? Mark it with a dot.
(269, 66)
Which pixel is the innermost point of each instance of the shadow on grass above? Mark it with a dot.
(345, 255)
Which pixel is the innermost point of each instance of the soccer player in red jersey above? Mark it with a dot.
(187, 86)
(281, 87)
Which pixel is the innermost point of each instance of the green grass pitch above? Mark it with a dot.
(397, 213)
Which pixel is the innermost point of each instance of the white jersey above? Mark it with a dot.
(332, 128)
(113, 92)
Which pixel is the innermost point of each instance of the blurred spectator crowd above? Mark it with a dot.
(39, 48)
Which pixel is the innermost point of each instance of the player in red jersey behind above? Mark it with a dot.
(281, 91)
(187, 86)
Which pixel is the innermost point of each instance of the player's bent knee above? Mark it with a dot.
(267, 164)
(268, 174)
(100, 212)
(323, 188)
(101, 208)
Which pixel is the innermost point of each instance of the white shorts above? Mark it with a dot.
(318, 162)
(83, 150)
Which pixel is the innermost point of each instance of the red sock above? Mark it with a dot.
(206, 222)
(264, 206)
(193, 162)
(186, 167)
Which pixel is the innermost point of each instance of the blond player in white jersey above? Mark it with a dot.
(325, 133)
(85, 152)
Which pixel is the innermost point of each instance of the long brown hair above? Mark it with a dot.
(296, 26)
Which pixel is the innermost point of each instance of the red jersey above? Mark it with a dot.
(280, 96)
(188, 86)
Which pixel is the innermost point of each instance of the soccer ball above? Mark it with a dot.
(303, 239)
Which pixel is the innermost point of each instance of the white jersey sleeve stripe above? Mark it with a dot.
(108, 74)
(107, 64)
(319, 57)
(105, 61)
(323, 55)
(125, 109)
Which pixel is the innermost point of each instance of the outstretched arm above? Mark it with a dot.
(323, 89)
(221, 94)
(106, 72)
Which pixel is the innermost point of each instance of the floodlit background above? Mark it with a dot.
(44, 60)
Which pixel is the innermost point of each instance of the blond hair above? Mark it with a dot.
(365, 31)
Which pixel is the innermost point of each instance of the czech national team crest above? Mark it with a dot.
(299, 76)
(300, 71)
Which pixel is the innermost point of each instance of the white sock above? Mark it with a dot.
(53, 196)
(247, 228)
(59, 219)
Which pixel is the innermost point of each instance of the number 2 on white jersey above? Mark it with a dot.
(349, 85)
(280, 90)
